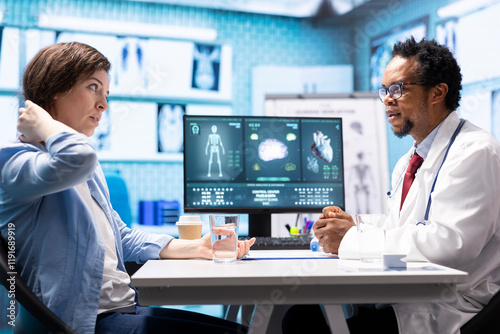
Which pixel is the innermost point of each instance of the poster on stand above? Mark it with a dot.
(366, 171)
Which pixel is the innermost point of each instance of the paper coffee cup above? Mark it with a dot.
(189, 227)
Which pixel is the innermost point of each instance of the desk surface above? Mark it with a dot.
(317, 268)
(273, 283)
(302, 280)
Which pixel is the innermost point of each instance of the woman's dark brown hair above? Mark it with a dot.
(56, 69)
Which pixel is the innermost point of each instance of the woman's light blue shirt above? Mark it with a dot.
(59, 251)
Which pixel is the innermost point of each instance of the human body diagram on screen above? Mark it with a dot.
(212, 148)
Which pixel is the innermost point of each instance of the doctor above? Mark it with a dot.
(458, 225)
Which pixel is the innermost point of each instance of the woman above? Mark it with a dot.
(70, 243)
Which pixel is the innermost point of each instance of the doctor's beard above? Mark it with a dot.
(405, 130)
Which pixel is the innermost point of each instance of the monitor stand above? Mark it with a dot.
(259, 225)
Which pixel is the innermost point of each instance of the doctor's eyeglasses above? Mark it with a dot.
(395, 90)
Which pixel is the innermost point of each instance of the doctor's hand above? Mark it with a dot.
(331, 227)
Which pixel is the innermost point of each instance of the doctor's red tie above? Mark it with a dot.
(415, 162)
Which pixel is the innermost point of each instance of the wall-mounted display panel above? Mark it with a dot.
(381, 48)
(478, 49)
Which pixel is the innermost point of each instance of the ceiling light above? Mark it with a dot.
(121, 28)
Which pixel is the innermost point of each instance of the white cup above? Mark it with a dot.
(371, 236)
(224, 231)
(189, 227)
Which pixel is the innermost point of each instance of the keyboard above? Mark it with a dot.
(278, 243)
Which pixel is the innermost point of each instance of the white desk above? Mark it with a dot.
(272, 284)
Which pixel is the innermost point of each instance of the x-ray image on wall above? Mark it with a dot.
(130, 66)
(495, 114)
(170, 134)
(446, 34)
(9, 57)
(206, 67)
(102, 134)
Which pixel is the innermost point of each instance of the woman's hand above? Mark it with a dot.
(206, 245)
(244, 247)
(199, 248)
(36, 125)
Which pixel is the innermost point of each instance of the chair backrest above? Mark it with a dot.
(27, 298)
(119, 197)
(487, 321)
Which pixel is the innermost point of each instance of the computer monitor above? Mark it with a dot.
(262, 165)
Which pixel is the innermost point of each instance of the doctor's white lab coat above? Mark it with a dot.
(462, 231)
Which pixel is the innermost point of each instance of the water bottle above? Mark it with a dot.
(314, 245)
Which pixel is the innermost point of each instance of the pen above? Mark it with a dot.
(309, 225)
(287, 227)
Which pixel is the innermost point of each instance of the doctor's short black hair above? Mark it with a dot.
(437, 65)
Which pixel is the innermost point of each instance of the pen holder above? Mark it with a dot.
(299, 235)
(295, 233)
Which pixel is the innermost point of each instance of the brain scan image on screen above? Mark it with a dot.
(273, 151)
(214, 148)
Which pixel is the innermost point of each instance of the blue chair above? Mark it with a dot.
(35, 317)
(118, 193)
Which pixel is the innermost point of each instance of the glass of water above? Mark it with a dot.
(224, 231)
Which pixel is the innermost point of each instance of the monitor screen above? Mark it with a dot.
(262, 165)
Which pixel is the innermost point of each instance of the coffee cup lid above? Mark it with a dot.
(189, 220)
